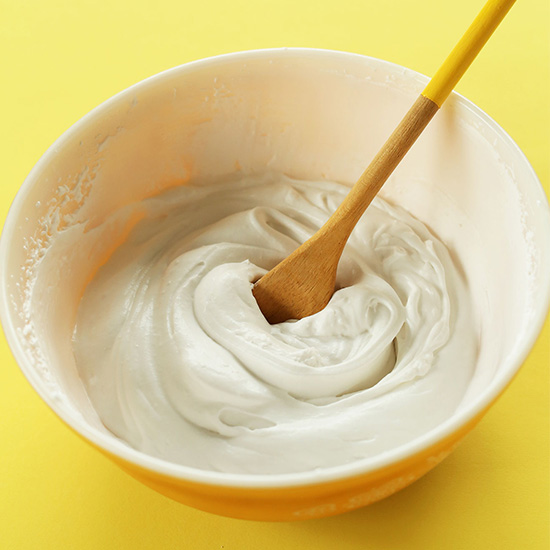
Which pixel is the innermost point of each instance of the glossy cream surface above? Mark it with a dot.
(179, 362)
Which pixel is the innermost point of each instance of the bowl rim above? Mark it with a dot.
(113, 446)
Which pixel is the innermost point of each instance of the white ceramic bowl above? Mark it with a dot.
(311, 114)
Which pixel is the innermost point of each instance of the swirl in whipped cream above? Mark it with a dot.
(180, 363)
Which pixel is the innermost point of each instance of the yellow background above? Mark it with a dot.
(61, 58)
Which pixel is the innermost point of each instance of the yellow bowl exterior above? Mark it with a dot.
(299, 502)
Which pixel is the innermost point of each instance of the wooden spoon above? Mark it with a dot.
(303, 283)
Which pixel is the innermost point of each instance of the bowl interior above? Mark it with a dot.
(309, 114)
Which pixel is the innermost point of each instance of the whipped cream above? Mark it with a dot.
(180, 363)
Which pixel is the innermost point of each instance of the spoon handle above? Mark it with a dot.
(414, 122)
(379, 170)
(462, 55)
(303, 283)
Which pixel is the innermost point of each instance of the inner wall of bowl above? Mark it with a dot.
(312, 115)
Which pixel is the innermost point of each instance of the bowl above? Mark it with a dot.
(311, 114)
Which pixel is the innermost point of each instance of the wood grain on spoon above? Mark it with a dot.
(303, 283)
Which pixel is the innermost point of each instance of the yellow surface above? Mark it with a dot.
(60, 59)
